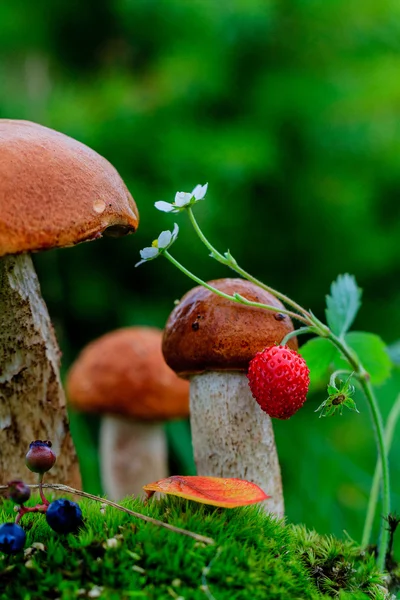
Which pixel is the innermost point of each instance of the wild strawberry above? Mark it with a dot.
(279, 379)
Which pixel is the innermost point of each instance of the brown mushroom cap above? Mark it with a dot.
(55, 191)
(206, 332)
(124, 372)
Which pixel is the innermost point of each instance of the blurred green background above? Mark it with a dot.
(291, 111)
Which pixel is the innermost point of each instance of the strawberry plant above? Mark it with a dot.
(340, 357)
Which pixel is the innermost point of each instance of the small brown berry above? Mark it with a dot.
(40, 457)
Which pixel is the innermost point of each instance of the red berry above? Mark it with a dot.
(18, 491)
(279, 380)
(40, 457)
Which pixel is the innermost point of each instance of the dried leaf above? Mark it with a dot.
(217, 491)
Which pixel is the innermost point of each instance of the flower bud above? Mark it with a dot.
(40, 457)
(18, 491)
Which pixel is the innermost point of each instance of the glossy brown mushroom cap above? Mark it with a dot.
(124, 372)
(55, 191)
(206, 332)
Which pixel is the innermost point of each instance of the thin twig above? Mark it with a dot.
(69, 490)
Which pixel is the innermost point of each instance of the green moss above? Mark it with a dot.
(120, 557)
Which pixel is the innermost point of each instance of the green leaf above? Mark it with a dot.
(342, 304)
(372, 352)
(319, 354)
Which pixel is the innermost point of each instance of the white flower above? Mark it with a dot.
(162, 243)
(200, 191)
(183, 200)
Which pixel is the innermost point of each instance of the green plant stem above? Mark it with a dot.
(363, 378)
(237, 298)
(297, 332)
(332, 379)
(232, 264)
(348, 354)
(373, 496)
(383, 459)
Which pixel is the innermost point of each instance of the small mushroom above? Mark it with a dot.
(211, 340)
(123, 376)
(54, 192)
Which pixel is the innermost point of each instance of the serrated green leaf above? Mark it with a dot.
(342, 303)
(372, 353)
(319, 354)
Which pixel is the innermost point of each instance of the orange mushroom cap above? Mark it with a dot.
(55, 191)
(124, 372)
(206, 332)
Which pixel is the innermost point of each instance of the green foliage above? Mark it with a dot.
(319, 354)
(255, 556)
(342, 304)
(372, 353)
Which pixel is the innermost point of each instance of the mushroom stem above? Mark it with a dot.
(232, 436)
(32, 402)
(132, 454)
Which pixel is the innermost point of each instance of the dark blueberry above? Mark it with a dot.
(40, 457)
(64, 516)
(18, 491)
(12, 538)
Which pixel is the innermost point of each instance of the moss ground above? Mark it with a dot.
(118, 557)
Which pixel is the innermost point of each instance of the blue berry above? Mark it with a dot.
(64, 516)
(40, 457)
(12, 538)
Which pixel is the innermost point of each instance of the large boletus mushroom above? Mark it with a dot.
(123, 376)
(54, 192)
(211, 340)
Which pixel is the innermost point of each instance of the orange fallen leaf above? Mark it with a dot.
(217, 491)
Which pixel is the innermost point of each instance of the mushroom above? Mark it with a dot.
(54, 192)
(124, 376)
(211, 340)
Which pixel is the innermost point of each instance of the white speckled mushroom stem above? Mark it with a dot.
(232, 436)
(32, 401)
(132, 453)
